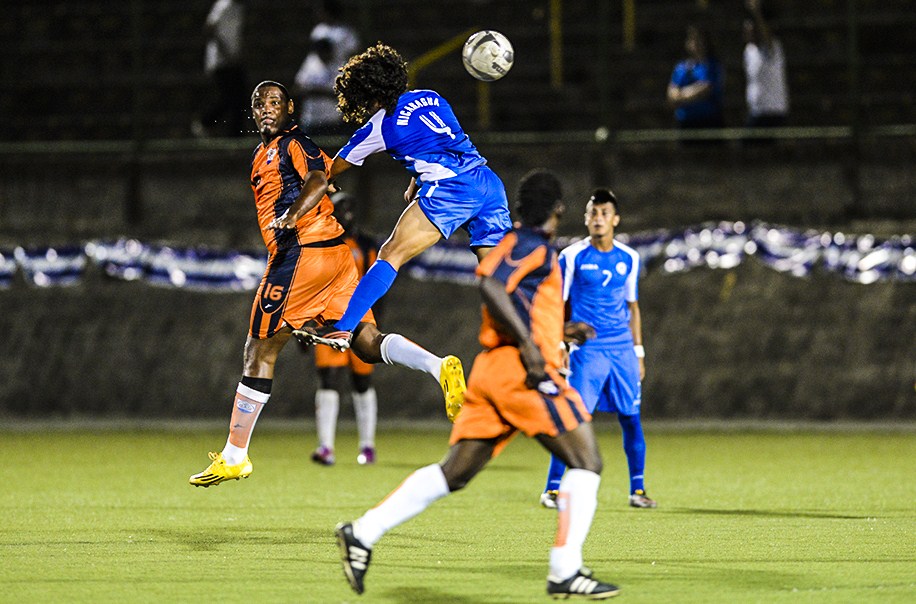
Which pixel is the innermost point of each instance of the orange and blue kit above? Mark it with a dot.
(498, 404)
(364, 251)
(310, 270)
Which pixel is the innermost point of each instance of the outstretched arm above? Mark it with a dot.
(338, 166)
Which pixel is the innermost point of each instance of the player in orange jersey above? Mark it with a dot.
(515, 385)
(310, 277)
(333, 366)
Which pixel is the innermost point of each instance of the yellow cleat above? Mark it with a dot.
(451, 377)
(218, 471)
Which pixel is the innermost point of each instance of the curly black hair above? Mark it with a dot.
(371, 80)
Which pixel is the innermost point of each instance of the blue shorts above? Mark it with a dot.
(607, 377)
(475, 200)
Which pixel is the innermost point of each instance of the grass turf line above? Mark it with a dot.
(743, 517)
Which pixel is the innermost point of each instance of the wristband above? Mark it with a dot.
(640, 351)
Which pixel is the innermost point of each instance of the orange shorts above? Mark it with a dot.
(325, 356)
(498, 405)
(304, 283)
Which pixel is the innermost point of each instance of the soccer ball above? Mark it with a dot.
(488, 55)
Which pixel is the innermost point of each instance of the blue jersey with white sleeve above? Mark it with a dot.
(422, 133)
(597, 287)
(456, 189)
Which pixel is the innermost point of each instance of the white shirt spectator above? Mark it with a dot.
(765, 68)
(224, 46)
(317, 109)
(343, 39)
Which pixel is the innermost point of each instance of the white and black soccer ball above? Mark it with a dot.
(488, 55)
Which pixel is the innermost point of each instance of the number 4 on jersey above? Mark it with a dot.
(441, 128)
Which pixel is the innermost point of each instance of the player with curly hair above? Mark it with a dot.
(310, 274)
(451, 186)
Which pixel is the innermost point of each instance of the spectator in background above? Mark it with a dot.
(227, 111)
(765, 70)
(697, 83)
(331, 43)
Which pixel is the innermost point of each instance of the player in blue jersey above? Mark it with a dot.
(451, 186)
(600, 289)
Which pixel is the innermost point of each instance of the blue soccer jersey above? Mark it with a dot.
(597, 287)
(456, 189)
(421, 133)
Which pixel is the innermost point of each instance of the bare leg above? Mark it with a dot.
(578, 449)
(422, 488)
(259, 361)
(373, 346)
(482, 252)
(465, 460)
(261, 355)
(413, 234)
(251, 395)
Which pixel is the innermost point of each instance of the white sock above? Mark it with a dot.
(234, 455)
(398, 350)
(576, 505)
(327, 405)
(365, 405)
(415, 494)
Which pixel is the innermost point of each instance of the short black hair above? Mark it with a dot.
(539, 191)
(600, 196)
(267, 83)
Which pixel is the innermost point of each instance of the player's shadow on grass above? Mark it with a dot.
(424, 595)
(768, 513)
(207, 540)
(491, 468)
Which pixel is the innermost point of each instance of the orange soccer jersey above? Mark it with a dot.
(277, 173)
(310, 270)
(364, 251)
(497, 402)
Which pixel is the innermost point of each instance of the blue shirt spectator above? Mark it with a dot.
(696, 87)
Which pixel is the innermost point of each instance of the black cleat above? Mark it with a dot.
(581, 586)
(354, 555)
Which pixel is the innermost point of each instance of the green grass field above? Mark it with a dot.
(794, 516)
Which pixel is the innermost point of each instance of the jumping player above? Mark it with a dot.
(451, 186)
(333, 365)
(309, 278)
(514, 386)
(600, 289)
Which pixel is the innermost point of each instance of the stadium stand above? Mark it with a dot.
(99, 69)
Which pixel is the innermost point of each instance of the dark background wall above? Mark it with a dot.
(744, 343)
(749, 342)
